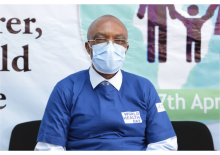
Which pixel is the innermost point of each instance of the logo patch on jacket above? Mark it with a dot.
(131, 117)
(160, 107)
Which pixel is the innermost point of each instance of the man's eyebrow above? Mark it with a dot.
(99, 33)
(120, 35)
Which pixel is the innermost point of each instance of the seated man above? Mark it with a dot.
(104, 107)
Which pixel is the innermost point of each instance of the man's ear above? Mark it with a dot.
(87, 47)
(127, 49)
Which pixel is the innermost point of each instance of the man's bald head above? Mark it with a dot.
(106, 27)
(109, 23)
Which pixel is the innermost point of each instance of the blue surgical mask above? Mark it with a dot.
(108, 58)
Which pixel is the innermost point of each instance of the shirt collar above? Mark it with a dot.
(95, 79)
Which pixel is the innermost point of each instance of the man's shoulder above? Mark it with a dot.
(135, 78)
(70, 80)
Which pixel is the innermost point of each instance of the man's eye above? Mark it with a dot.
(100, 40)
(119, 41)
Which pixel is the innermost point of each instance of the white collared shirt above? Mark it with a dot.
(169, 144)
(96, 79)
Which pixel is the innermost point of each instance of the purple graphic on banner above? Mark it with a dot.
(211, 11)
(193, 26)
(157, 17)
(217, 24)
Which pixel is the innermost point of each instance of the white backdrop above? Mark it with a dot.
(58, 53)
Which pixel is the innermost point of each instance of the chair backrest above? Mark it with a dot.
(24, 136)
(192, 135)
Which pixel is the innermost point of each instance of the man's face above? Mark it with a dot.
(109, 28)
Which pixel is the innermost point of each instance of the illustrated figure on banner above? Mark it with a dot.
(193, 26)
(217, 24)
(157, 17)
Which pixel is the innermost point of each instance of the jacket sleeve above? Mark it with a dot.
(158, 125)
(56, 120)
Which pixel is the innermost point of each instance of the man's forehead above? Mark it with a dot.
(107, 34)
(107, 26)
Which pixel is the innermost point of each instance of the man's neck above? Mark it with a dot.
(106, 76)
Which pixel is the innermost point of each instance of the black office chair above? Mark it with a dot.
(24, 136)
(190, 136)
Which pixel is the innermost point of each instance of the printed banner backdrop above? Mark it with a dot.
(177, 47)
(188, 90)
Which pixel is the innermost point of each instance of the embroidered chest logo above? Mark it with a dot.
(131, 117)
